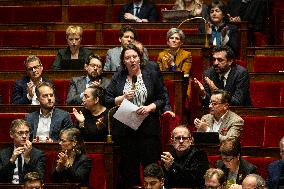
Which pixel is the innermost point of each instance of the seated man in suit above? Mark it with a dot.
(21, 157)
(153, 176)
(32, 181)
(24, 89)
(186, 165)
(127, 35)
(138, 11)
(253, 181)
(220, 119)
(48, 121)
(94, 67)
(275, 178)
(224, 74)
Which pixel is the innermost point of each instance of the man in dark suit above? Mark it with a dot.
(24, 89)
(275, 170)
(94, 67)
(138, 11)
(224, 74)
(47, 122)
(22, 157)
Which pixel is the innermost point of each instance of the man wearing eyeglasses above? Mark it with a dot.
(186, 165)
(225, 74)
(214, 179)
(24, 89)
(94, 68)
(22, 157)
(220, 119)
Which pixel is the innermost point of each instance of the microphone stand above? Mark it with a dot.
(109, 136)
(206, 45)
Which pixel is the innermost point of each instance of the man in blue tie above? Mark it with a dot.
(22, 157)
(138, 11)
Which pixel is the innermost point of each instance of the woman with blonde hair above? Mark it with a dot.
(195, 7)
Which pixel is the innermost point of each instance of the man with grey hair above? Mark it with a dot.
(24, 89)
(275, 178)
(175, 58)
(253, 181)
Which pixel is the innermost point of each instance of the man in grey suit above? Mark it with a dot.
(48, 121)
(21, 157)
(221, 119)
(127, 35)
(94, 67)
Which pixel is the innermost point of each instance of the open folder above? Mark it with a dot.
(126, 113)
(175, 15)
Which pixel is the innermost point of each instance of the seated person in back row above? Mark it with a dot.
(220, 119)
(48, 121)
(225, 74)
(74, 56)
(138, 11)
(94, 67)
(195, 7)
(24, 89)
(127, 35)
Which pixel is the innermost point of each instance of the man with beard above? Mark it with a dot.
(21, 157)
(24, 89)
(94, 67)
(46, 123)
(220, 119)
(186, 165)
(224, 74)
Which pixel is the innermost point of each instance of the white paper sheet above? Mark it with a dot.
(126, 113)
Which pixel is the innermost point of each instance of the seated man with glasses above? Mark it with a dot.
(24, 89)
(186, 165)
(253, 181)
(275, 178)
(220, 119)
(94, 68)
(214, 179)
(233, 165)
(22, 157)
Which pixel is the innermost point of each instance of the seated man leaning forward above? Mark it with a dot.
(186, 165)
(48, 121)
(225, 74)
(220, 119)
(33, 181)
(94, 68)
(24, 89)
(153, 176)
(21, 157)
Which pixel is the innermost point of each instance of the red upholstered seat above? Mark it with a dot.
(273, 131)
(5, 122)
(111, 36)
(97, 179)
(170, 84)
(212, 160)
(168, 123)
(253, 131)
(265, 94)
(24, 38)
(87, 13)
(242, 63)
(6, 89)
(89, 37)
(268, 64)
(50, 158)
(6, 14)
(115, 12)
(61, 90)
(16, 62)
(260, 39)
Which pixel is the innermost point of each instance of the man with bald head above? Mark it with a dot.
(186, 165)
(253, 181)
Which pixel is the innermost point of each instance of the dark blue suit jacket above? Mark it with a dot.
(36, 163)
(274, 171)
(19, 95)
(147, 11)
(60, 120)
(238, 84)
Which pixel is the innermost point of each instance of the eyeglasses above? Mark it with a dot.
(30, 69)
(22, 133)
(179, 138)
(227, 159)
(214, 103)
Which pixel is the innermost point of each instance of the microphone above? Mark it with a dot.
(134, 80)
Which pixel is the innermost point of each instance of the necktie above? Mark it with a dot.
(20, 167)
(137, 11)
(222, 82)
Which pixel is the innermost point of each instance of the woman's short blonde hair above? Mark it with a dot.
(74, 30)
